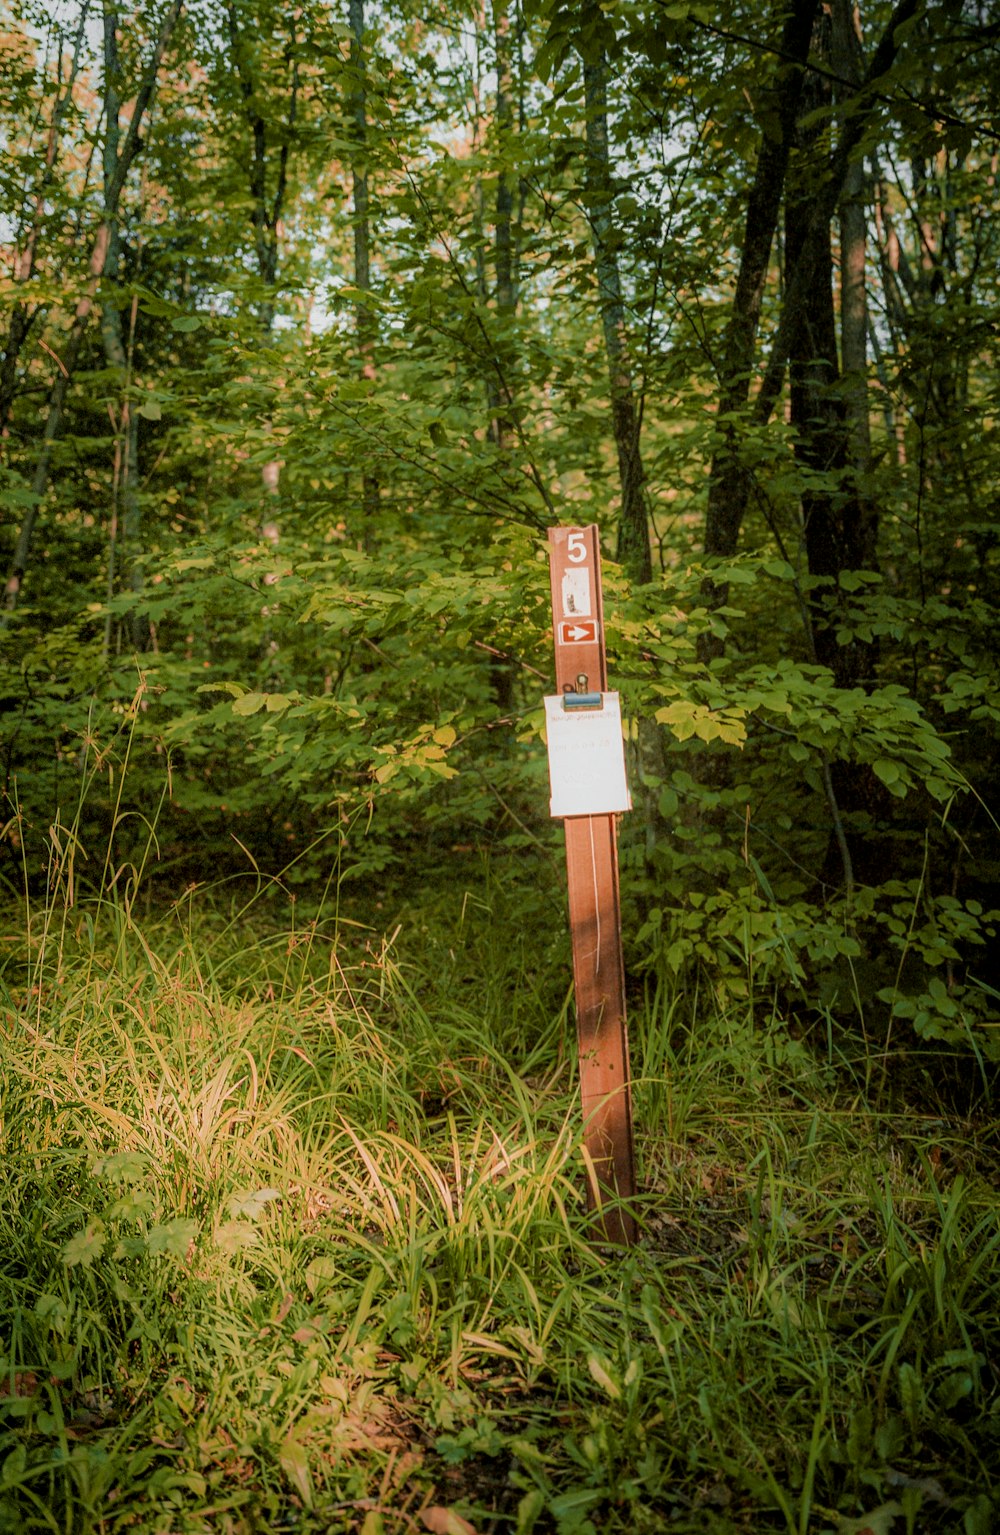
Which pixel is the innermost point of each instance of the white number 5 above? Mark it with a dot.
(576, 548)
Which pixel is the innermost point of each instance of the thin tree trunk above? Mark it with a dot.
(53, 425)
(125, 510)
(838, 524)
(265, 214)
(114, 185)
(22, 314)
(633, 551)
(506, 291)
(364, 315)
(848, 65)
(633, 527)
(501, 364)
(816, 410)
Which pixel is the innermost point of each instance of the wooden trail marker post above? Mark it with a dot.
(587, 772)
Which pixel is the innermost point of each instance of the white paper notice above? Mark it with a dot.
(576, 593)
(586, 758)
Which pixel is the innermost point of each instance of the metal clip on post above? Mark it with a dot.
(579, 698)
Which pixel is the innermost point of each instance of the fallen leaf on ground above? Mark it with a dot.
(444, 1521)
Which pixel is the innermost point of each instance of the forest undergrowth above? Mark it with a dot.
(294, 1238)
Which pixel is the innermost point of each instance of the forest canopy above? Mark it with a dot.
(315, 318)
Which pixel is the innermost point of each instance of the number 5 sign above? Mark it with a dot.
(592, 878)
(576, 610)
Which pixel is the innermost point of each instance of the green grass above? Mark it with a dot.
(292, 1237)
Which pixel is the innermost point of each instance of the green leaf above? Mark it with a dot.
(600, 1373)
(887, 770)
(880, 1521)
(250, 703)
(51, 1309)
(173, 1238)
(529, 1510)
(86, 1246)
(294, 1463)
(320, 1274)
(251, 1205)
(234, 689)
(124, 1167)
(236, 1236)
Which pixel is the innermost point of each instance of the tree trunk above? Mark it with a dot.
(729, 491)
(22, 317)
(265, 213)
(728, 488)
(364, 315)
(848, 65)
(838, 524)
(816, 408)
(633, 551)
(827, 196)
(633, 527)
(506, 293)
(125, 516)
(114, 185)
(22, 314)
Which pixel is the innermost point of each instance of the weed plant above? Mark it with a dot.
(293, 1239)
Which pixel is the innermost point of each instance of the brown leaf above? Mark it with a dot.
(25, 1383)
(444, 1521)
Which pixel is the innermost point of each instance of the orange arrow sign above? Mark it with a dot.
(581, 632)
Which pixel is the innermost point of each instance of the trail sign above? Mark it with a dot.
(578, 632)
(590, 753)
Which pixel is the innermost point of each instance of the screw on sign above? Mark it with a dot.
(587, 772)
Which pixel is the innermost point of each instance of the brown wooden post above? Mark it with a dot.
(594, 905)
